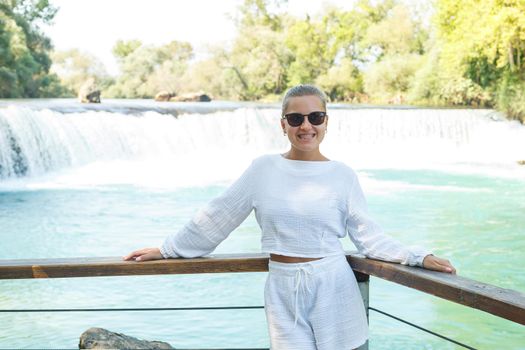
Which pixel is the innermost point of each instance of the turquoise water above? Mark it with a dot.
(476, 221)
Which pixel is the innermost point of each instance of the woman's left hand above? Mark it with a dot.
(432, 262)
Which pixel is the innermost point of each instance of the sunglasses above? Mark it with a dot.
(297, 119)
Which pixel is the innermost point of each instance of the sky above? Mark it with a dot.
(94, 26)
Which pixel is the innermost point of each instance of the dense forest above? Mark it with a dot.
(444, 53)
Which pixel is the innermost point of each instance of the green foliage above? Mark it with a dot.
(123, 48)
(342, 82)
(463, 91)
(511, 97)
(389, 80)
(491, 32)
(394, 44)
(426, 80)
(346, 30)
(24, 50)
(147, 70)
(398, 21)
(214, 76)
(257, 63)
(481, 53)
(481, 71)
(312, 49)
(75, 67)
(51, 86)
(260, 60)
(259, 13)
(379, 50)
(33, 11)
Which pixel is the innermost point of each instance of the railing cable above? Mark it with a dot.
(421, 328)
(136, 309)
(132, 349)
(218, 308)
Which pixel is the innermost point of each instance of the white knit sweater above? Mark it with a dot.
(303, 209)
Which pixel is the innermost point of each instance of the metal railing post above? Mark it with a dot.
(363, 281)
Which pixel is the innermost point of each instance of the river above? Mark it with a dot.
(102, 180)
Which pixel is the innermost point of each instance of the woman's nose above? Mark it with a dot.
(306, 124)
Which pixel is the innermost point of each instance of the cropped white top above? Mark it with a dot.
(303, 209)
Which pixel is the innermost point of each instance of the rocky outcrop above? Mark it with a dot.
(100, 338)
(164, 96)
(89, 92)
(192, 97)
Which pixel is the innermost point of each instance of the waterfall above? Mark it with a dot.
(217, 144)
(426, 137)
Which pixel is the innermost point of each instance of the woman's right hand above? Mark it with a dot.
(144, 254)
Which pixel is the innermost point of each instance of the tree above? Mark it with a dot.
(36, 12)
(260, 59)
(261, 13)
(397, 33)
(482, 38)
(395, 43)
(147, 70)
(338, 49)
(24, 58)
(256, 65)
(215, 76)
(342, 82)
(313, 51)
(389, 80)
(483, 42)
(75, 67)
(122, 48)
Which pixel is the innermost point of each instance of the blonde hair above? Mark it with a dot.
(303, 90)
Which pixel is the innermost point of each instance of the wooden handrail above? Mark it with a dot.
(505, 303)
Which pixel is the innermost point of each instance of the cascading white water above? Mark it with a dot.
(112, 147)
(425, 137)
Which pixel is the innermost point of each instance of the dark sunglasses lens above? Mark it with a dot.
(294, 119)
(316, 118)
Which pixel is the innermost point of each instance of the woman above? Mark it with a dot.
(304, 203)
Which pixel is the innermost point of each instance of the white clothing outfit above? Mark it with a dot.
(314, 306)
(303, 208)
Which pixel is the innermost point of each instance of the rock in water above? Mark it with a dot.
(88, 92)
(100, 338)
(164, 96)
(192, 97)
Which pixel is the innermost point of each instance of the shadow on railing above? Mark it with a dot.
(505, 303)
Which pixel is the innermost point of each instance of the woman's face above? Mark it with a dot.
(305, 137)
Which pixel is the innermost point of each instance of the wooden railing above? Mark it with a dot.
(505, 303)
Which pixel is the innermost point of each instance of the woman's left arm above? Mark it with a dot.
(370, 240)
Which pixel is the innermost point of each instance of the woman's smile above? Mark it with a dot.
(306, 136)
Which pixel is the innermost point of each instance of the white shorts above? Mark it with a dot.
(314, 306)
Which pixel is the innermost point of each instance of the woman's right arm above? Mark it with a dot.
(210, 226)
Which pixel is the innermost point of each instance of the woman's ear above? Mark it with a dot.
(283, 125)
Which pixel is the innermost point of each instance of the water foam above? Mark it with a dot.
(49, 149)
